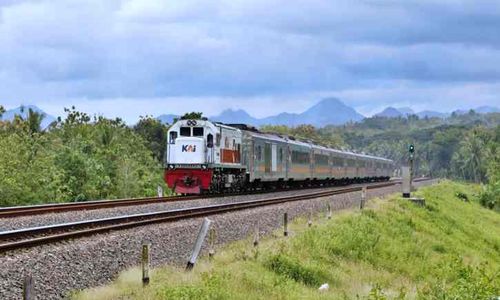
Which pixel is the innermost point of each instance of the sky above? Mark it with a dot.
(149, 57)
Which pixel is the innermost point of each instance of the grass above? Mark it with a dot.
(449, 249)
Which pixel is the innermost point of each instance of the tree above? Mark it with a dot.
(469, 159)
(2, 110)
(34, 121)
(191, 116)
(155, 133)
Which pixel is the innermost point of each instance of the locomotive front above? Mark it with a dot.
(190, 153)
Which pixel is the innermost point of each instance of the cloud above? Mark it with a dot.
(62, 50)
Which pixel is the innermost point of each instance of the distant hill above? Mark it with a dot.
(406, 110)
(23, 112)
(329, 111)
(487, 109)
(480, 109)
(390, 112)
(236, 116)
(167, 119)
(432, 114)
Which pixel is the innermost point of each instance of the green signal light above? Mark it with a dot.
(412, 148)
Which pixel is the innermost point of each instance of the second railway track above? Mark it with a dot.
(29, 237)
(28, 210)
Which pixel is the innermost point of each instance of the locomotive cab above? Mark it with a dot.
(190, 151)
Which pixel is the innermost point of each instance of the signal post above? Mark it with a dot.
(407, 173)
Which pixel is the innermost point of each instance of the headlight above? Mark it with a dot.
(171, 167)
(203, 167)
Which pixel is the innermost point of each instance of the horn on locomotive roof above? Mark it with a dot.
(243, 127)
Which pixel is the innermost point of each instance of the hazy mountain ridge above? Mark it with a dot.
(23, 111)
(167, 118)
(329, 111)
(391, 112)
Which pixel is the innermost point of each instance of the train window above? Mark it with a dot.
(234, 144)
(258, 152)
(173, 137)
(210, 141)
(321, 159)
(198, 131)
(338, 162)
(217, 139)
(300, 157)
(226, 142)
(185, 131)
(281, 155)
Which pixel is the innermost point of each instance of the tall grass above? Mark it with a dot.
(449, 249)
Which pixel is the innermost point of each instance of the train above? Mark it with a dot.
(211, 157)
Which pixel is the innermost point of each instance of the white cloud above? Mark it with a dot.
(244, 53)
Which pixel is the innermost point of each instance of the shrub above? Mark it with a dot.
(285, 266)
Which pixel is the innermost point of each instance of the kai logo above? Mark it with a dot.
(188, 148)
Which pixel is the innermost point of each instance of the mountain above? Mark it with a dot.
(480, 110)
(235, 116)
(406, 111)
(431, 114)
(329, 111)
(389, 112)
(167, 119)
(487, 109)
(23, 112)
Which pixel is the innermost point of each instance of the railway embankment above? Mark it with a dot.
(59, 268)
(447, 249)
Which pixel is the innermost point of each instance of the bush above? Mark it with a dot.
(490, 196)
(459, 281)
(289, 268)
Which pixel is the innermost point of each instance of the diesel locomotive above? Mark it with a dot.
(210, 157)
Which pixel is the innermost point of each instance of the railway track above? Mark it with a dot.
(29, 237)
(18, 211)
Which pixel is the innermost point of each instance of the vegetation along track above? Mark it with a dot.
(28, 237)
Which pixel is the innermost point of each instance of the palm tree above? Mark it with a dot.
(472, 156)
(34, 121)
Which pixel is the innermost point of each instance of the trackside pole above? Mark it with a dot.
(256, 237)
(199, 242)
(406, 182)
(146, 261)
(211, 242)
(285, 224)
(28, 293)
(363, 198)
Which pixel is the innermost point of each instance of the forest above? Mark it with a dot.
(82, 157)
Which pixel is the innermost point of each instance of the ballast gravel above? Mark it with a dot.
(81, 215)
(60, 268)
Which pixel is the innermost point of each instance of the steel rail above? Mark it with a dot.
(28, 237)
(17, 211)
